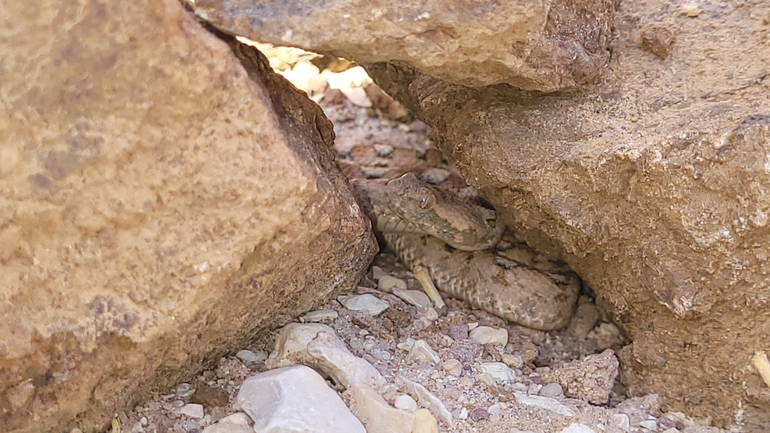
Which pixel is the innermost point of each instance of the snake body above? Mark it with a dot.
(454, 241)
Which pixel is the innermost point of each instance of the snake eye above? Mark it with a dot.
(427, 199)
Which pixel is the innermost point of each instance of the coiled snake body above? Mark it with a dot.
(455, 241)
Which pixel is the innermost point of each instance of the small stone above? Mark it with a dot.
(221, 427)
(424, 422)
(377, 273)
(649, 424)
(376, 414)
(512, 360)
(295, 399)
(417, 298)
(192, 410)
(479, 414)
(622, 421)
(453, 367)
(367, 304)
(383, 150)
(463, 414)
(459, 332)
(291, 344)
(143, 421)
(250, 357)
(578, 428)
(671, 430)
(184, 390)
(238, 418)
(421, 351)
(428, 400)
(498, 371)
(690, 9)
(387, 283)
(551, 390)
(405, 402)
(358, 97)
(489, 335)
(544, 403)
(325, 315)
(435, 175)
(334, 358)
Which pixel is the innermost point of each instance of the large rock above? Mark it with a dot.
(655, 188)
(534, 45)
(161, 201)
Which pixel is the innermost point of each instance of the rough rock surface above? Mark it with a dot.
(159, 204)
(543, 46)
(653, 187)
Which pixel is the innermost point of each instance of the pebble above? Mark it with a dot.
(209, 395)
(498, 371)
(377, 273)
(478, 414)
(489, 335)
(236, 423)
(417, 298)
(192, 410)
(184, 390)
(367, 304)
(421, 351)
(512, 360)
(333, 358)
(383, 149)
(405, 402)
(387, 283)
(428, 400)
(578, 428)
(249, 356)
(291, 343)
(319, 316)
(551, 390)
(546, 403)
(376, 414)
(459, 332)
(649, 424)
(238, 418)
(622, 421)
(424, 422)
(453, 367)
(463, 414)
(293, 400)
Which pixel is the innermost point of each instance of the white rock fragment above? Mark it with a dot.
(551, 390)
(291, 344)
(649, 424)
(334, 358)
(512, 360)
(249, 356)
(367, 304)
(417, 298)
(489, 335)
(421, 351)
(221, 427)
(453, 367)
(622, 421)
(238, 418)
(428, 400)
(388, 283)
(405, 402)
(376, 414)
(295, 400)
(377, 272)
(546, 403)
(406, 345)
(498, 371)
(578, 428)
(424, 422)
(192, 410)
(319, 316)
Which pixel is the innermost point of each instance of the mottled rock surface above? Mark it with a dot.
(161, 200)
(653, 187)
(543, 46)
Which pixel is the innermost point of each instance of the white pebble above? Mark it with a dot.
(489, 335)
(319, 316)
(377, 273)
(387, 283)
(249, 356)
(649, 424)
(405, 402)
(463, 414)
(417, 298)
(578, 428)
(498, 371)
(453, 367)
(622, 421)
(551, 390)
(368, 303)
(421, 351)
(513, 361)
(192, 410)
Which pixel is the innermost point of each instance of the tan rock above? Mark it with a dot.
(160, 201)
(653, 188)
(542, 46)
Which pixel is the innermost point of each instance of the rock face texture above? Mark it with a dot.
(653, 187)
(161, 200)
(533, 45)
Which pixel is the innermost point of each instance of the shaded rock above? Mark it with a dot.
(376, 414)
(346, 369)
(295, 399)
(531, 45)
(209, 395)
(142, 229)
(367, 304)
(649, 187)
(428, 400)
(424, 422)
(291, 344)
(589, 379)
(422, 352)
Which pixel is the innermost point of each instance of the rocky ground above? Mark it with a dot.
(471, 371)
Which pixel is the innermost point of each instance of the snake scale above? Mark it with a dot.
(455, 241)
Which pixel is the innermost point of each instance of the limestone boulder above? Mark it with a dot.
(163, 197)
(540, 45)
(654, 186)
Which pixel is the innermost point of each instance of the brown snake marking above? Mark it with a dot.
(418, 221)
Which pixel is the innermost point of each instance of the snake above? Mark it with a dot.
(458, 243)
